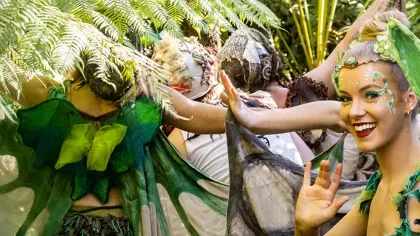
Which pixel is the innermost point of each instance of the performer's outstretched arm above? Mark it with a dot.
(315, 115)
(205, 118)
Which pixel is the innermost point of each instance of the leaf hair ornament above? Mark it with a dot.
(406, 48)
(382, 47)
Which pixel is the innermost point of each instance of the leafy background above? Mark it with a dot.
(287, 41)
(50, 37)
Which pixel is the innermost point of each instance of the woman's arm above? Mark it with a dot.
(315, 115)
(205, 119)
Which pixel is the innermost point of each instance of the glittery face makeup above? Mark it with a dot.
(369, 105)
(376, 75)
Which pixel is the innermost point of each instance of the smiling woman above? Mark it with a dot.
(379, 108)
(373, 104)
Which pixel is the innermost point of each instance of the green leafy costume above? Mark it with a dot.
(400, 200)
(57, 156)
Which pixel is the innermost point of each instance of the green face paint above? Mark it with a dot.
(378, 75)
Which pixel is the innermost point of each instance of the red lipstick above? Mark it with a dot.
(365, 132)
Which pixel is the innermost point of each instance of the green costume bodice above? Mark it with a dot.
(400, 200)
(64, 140)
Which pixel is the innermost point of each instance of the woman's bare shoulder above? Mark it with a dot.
(353, 222)
(34, 90)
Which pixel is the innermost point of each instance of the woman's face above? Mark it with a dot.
(371, 105)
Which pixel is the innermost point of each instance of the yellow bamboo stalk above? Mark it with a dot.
(321, 28)
(301, 38)
(308, 19)
(328, 29)
(306, 31)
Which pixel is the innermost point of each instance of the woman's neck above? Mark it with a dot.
(400, 158)
(86, 101)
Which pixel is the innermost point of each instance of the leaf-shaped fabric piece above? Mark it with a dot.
(403, 230)
(366, 198)
(81, 186)
(76, 145)
(415, 194)
(165, 170)
(149, 117)
(179, 178)
(84, 184)
(44, 128)
(106, 139)
(406, 47)
(100, 188)
(334, 154)
(51, 189)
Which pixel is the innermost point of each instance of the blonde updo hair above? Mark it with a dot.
(378, 25)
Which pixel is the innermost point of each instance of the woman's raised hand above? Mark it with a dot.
(239, 109)
(315, 205)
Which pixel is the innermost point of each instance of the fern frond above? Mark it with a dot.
(156, 12)
(212, 13)
(231, 15)
(106, 26)
(175, 14)
(124, 16)
(190, 15)
(86, 11)
(74, 39)
(265, 15)
(8, 76)
(243, 12)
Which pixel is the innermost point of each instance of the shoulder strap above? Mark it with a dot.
(56, 92)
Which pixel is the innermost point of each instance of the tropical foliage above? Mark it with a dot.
(314, 28)
(52, 37)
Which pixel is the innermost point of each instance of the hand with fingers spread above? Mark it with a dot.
(239, 109)
(315, 205)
